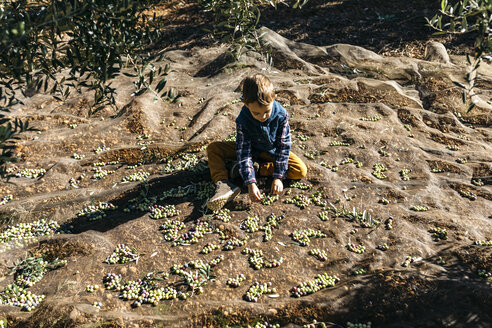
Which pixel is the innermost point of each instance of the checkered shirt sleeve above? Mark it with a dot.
(244, 156)
(282, 151)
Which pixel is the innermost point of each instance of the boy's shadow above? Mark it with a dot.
(151, 188)
(154, 188)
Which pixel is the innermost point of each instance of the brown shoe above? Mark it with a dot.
(225, 192)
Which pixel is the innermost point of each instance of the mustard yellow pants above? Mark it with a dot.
(220, 151)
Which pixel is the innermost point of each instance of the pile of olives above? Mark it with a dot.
(268, 199)
(419, 208)
(96, 211)
(159, 212)
(26, 173)
(250, 224)
(410, 259)
(137, 176)
(257, 261)
(378, 170)
(171, 228)
(359, 272)
(309, 287)
(300, 185)
(438, 234)
(236, 282)
(91, 288)
(483, 242)
(29, 230)
(404, 174)
(6, 199)
(101, 148)
(318, 254)
(359, 249)
(383, 247)
(209, 248)
(468, 194)
(234, 242)
(371, 119)
(197, 231)
(122, 254)
(223, 215)
(303, 236)
(272, 222)
(300, 201)
(256, 290)
(339, 143)
(19, 296)
(324, 215)
(388, 224)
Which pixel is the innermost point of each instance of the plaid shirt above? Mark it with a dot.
(244, 152)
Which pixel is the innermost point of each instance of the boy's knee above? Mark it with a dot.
(297, 171)
(302, 170)
(213, 147)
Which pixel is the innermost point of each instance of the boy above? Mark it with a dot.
(262, 134)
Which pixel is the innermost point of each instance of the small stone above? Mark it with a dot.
(436, 52)
(74, 314)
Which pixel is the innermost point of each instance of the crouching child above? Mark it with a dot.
(263, 137)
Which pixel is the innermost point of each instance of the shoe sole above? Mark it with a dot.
(219, 202)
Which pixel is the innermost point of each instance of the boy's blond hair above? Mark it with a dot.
(258, 88)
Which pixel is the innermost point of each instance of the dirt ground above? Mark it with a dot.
(397, 183)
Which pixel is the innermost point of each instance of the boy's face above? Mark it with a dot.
(260, 112)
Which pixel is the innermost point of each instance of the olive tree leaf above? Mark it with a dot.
(459, 84)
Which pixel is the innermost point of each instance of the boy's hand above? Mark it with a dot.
(277, 187)
(254, 192)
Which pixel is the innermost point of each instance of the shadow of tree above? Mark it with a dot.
(392, 27)
(410, 298)
(378, 25)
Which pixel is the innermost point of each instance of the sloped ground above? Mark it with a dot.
(352, 111)
(396, 28)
